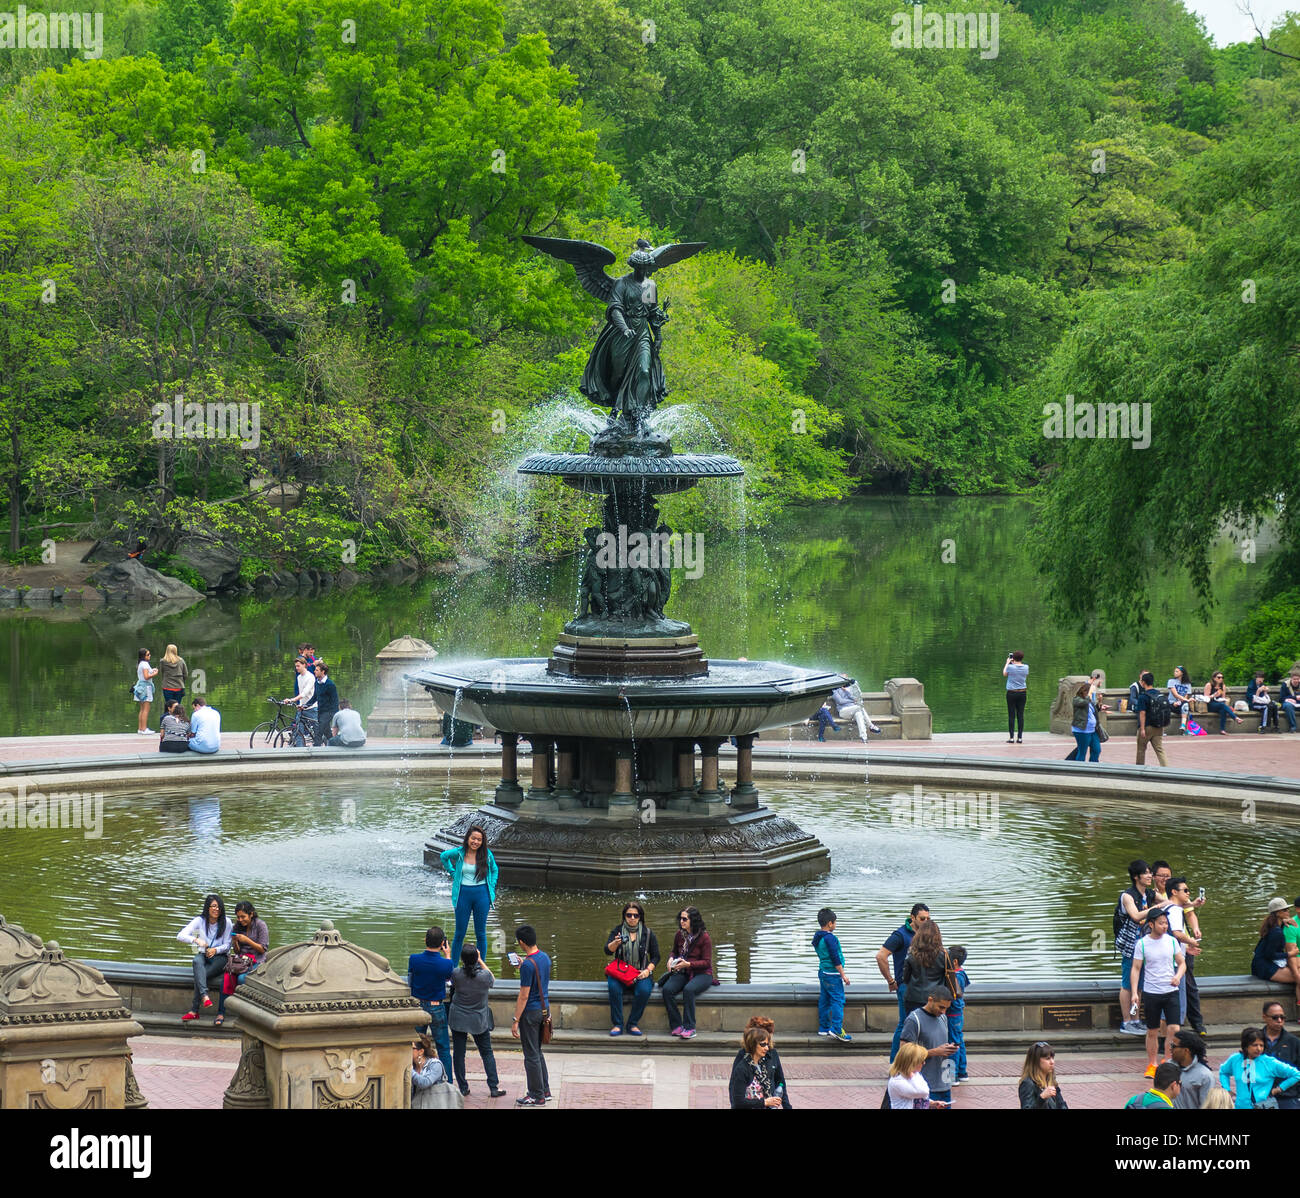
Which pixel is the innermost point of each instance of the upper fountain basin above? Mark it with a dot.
(735, 698)
(658, 475)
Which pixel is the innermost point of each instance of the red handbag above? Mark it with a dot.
(621, 971)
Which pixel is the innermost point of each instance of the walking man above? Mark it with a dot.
(531, 1008)
(899, 941)
(1153, 718)
(1165, 965)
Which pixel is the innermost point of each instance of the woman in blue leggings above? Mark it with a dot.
(473, 872)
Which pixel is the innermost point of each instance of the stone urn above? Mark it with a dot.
(326, 1025)
(401, 707)
(63, 1034)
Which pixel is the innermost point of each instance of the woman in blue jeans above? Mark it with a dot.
(633, 945)
(473, 872)
(690, 972)
(1216, 699)
(1087, 738)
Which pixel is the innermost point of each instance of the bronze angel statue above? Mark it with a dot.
(624, 373)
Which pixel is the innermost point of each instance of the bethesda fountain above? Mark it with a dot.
(626, 704)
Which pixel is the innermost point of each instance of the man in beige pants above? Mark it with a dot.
(1148, 733)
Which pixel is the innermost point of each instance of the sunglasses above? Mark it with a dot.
(631, 915)
(683, 919)
(1278, 1017)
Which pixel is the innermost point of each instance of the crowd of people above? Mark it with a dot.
(331, 720)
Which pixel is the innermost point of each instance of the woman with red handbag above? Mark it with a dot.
(636, 953)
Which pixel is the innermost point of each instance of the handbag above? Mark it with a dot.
(621, 971)
(238, 963)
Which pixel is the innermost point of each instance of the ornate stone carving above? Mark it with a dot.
(248, 1089)
(135, 1100)
(325, 1098)
(94, 1100)
(16, 945)
(53, 989)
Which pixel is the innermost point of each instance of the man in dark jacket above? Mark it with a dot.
(1280, 1043)
(327, 702)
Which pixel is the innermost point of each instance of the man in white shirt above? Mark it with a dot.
(1165, 966)
(346, 726)
(205, 728)
(306, 693)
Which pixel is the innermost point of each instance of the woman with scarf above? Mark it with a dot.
(635, 950)
(757, 1079)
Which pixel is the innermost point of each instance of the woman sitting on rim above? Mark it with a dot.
(248, 940)
(690, 971)
(1038, 1088)
(635, 950)
(1271, 962)
(174, 731)
(1216, 700)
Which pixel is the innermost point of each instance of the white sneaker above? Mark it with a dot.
(823, 1033)
(145, 732)
(1133, 1027)
(874, 727)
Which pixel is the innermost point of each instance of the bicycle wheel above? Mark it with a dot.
(280, 740)
(266, 730)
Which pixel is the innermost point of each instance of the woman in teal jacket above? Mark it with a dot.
(1257, 1075)
(473, 872)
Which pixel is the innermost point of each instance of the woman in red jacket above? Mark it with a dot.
(690, 971)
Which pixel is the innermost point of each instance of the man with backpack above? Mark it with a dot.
(1165, 1086)
(1153, 714)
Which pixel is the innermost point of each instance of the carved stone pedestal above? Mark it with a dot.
(327, 1025)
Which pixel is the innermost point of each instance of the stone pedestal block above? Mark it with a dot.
(327, 1025)
(63, 1034)
(401, 708)
(1063, 705)
(907, 698)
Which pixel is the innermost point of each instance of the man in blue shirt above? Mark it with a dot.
(427, 974)
(900, 940)
(205, 728)
(530, 1011)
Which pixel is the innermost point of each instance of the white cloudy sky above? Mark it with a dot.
(1226, 23)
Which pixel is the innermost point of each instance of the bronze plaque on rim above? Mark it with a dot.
(1067, 1015)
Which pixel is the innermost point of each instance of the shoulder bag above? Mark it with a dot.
(545, 1030)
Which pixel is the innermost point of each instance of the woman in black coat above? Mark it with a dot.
(757, 1078)
(1038, 1088)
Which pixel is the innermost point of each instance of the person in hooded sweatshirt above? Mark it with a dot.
(831, 977)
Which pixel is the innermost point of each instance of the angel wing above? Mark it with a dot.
(666, 255)
(586, 257)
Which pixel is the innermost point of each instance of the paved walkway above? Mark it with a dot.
(1241, 753)
(193, 1074)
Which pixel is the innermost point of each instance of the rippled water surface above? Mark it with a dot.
(1028, 889)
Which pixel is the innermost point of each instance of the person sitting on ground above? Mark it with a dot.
(849, 705)
(249, 940)
(205, 727)
(1261, 701)
(174, 731)
(1290, 695)
(753, 1083)
(346, 728)
(1272, 962)
(1164, 1090)
(634, 947)
(1038, 1087)
(907, 1089)
(1216, 700)
(926, 965)
(209, 932)
(1255, 1078)
(327, 702)
(1196, 1080)
(1180, 695)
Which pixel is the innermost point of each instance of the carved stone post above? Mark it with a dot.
(63, 1033)
(540, 790)
(401, 707)
(566, 755)
(327, 1025)
(622, 802)
(509, 793)
(744, 796)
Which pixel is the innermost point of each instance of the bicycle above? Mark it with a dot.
(296, 730)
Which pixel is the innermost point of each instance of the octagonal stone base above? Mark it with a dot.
(597, 850)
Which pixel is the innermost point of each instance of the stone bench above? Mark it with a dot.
(899, 710)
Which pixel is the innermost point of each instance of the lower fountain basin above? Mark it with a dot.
(735, 698)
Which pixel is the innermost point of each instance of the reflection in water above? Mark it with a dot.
(1032, 900)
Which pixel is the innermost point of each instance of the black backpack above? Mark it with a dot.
(1157, 707)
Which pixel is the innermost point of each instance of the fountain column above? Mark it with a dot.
(683, 798)
(744, 796)
(622, 802)
(539, 797)
(509, 793)
(566, 753)
(712, 798)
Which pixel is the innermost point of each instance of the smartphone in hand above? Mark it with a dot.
(513, 958)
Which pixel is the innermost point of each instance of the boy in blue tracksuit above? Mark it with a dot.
(831, 977)
(957, 1012)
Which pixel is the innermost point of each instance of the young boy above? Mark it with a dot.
(832, 978)
(957, 1012)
